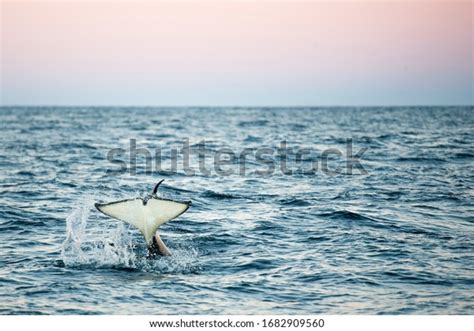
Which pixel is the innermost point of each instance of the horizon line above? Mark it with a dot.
(231, 106)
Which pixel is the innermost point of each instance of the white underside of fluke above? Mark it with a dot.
(146, 217)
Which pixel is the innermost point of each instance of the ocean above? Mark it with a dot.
(349, 210)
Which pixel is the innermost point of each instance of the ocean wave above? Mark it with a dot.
(279, 244)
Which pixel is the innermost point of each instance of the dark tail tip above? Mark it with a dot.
(97, 205)
(157, 185)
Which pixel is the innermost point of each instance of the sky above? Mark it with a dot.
(226, 53)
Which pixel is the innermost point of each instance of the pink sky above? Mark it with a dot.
(210, 53)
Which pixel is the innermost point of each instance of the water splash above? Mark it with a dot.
(184, 260)
(97, 247)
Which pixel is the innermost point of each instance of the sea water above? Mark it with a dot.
(393, 235)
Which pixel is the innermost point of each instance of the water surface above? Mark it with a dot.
(397, 240)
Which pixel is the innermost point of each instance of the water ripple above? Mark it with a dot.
(395, 241)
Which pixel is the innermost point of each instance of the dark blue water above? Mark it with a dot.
(397, 238)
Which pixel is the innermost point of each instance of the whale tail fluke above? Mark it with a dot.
(146, 215)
